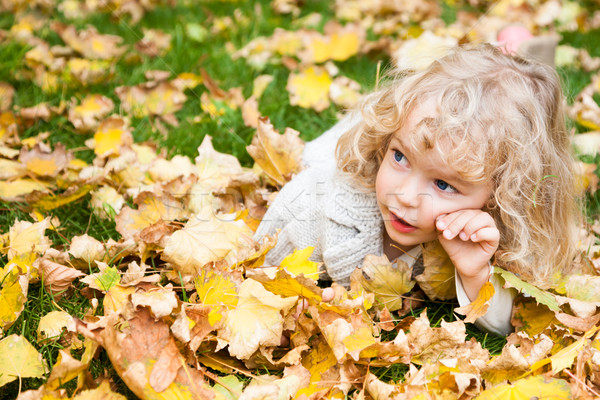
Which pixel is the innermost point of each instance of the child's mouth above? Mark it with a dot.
(401, 225)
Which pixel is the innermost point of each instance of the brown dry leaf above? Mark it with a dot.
(479, 306)
(151, 209)
(89, 42)
(586, 177)
(279, 156)
(386, 281)
(585, 110)
(146, 357)
(250, 112)
(437, 280)
(87, 249)
(6, 96)
(205, 240)
(309, 88)
(112, 134)
(39, 111)
(44, 163)
(256, 321)
(57, 277)
(215, 170)
(87, 115)
(152, 99)
(344, 92)
(510, 365)
(155, 43)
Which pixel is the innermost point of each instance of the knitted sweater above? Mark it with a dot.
(322, 208)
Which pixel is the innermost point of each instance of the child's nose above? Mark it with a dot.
(408, 192)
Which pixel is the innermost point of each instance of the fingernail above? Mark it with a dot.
(441, 225)
(463, 236)
(447, 234)
(473, 237)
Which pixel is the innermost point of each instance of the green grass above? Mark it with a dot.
(229, 133)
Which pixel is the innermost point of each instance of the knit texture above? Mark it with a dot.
(321, 208)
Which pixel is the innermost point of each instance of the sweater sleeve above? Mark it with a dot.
(295, 213)
(497, 318)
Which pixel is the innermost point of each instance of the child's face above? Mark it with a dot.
(414, 189)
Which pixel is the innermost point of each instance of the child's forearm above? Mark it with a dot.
(473, 283)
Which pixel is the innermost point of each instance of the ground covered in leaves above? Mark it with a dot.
(140, 146)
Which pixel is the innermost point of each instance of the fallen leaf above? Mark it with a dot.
(256, 321)
(19, 359)
(6, 96)
(437, 279)
(103, 280)
(86, 116)
(15, 190)
(51, 325)
(339, 43)
(524, 389)
(478, 307)
(13, 295)
(57, 278)
(65, 369)
(155, 43)
(161, 301)
(420, 52)
(26, 237)
(204, 240)
(542, 297)
(298, 263)
(146, 357)
(389, 283)
(278, 155)
(310, 88)
(112, 133)
(50, 201)
(89, 42)
(531, 317)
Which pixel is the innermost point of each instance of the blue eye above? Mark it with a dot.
(398, 156)
(445, 186)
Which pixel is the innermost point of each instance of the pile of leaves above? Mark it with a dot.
(179, 299)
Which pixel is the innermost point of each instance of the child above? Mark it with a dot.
(473, 152)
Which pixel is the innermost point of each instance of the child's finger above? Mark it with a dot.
(489, 234)
(457, 225)
(478, 221)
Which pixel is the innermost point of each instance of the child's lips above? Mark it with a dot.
(401, 225)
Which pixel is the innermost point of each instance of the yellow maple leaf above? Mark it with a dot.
(386, 282)
(479, 306)
(204, 240)
(298, 263)
(13, 295)
(538, 387)
(279, 156)
(19, 359)
(318, 361)
(531, 317)
(437, 279)
(256, 321)
(338, 43)
(15, 190)
(26, 237)
(112, 133)
(116, 298)
(310, 88)
(64, 370)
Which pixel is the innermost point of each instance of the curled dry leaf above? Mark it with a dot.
(43, 163)
(161, 301)
(478, 307)
(279, 156)
(86, 116)
(256, 321)
(204, 240)
(51, 325)
(155, 43)
(57, 277)
(89, 42)
(146, 357)
(87, 249)
(39, 111)
(6, 96)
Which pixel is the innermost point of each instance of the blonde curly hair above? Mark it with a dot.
(503, 118)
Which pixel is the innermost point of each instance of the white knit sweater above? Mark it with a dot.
(321, 208)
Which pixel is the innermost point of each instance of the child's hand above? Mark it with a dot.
(470, 238)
